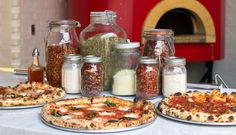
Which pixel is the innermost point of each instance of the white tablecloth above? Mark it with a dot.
(27, 121)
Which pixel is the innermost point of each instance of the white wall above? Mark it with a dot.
(16, 40)
(227, 66)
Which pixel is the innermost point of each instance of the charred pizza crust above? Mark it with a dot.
(200, 106)
(98, 113)
(27, 93)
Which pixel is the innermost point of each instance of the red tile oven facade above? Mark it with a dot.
(198, 24)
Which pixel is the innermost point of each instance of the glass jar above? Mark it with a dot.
(124, 58)
(159, 43)
(92, 76)
(99, 37)
(61, 39)
(71, 73)
(174, 76)
(147, 78)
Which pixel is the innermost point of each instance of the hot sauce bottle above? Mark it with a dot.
(35, 71)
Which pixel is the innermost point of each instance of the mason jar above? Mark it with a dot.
(71, 73)
(92, 76)
(174, 76)
(61, 39)
(125, 60)
(99, 37)
(147, 78)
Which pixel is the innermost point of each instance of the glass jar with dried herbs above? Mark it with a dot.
(61, 39)
(99, 37)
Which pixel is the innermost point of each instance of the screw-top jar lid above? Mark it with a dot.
(72, 57)
(175, 60)
(64, 23)
(147, 60)
(92, 59)
(158, 32)
(128, 45)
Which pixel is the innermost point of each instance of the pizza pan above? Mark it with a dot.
(95, 131)
(25, 106)
(196, 122)
(19, 107)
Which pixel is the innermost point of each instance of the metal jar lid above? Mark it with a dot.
(72, 57)
(92, 59)
(147, 60)
(158, 32)
(129, 45)
(175, 60)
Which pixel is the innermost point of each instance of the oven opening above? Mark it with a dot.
(187, 25)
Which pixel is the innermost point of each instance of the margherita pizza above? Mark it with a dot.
(200, 106)
(29, 94)
(98, 113)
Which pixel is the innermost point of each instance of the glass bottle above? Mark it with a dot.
(125, 60)
(159, 43)
(71, 73)
(99, 37)
(61, 39)
(174, 76)
(92, 76)
(35, 71)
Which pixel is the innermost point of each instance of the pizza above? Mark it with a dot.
(200, 106)
(94, 113)
(27, 93)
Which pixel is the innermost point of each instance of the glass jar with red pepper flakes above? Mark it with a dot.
(147, 78)
(159, 43)
(92, 76)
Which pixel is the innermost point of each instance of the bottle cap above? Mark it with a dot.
(35, 52)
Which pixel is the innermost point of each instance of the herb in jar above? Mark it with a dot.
(101, 45)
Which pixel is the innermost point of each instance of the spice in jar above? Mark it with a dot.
(158, 43)
(174, 76)
(55, 57)
(71, 73)
(35, 71)
(147, 78)
(92, 76)
(61, 39)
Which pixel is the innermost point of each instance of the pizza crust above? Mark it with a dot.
(148, 114)
(195, 115)
(25, 94)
